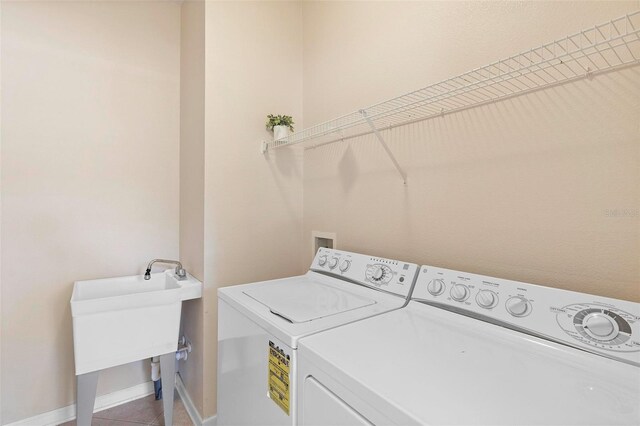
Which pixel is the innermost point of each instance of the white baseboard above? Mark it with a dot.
(196, 418)
(65, 414)
(103, 402)
(210, 421)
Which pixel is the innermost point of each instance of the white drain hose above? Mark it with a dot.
(155, 368)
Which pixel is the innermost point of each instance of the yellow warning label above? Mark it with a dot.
(279, 377)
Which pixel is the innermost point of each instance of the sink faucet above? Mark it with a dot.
(180, 272)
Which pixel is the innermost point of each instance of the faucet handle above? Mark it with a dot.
(180, 272)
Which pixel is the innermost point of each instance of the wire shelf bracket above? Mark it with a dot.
(385, 146)
(605, 47)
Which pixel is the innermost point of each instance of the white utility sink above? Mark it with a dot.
(125, 319)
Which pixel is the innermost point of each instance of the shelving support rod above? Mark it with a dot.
(384, 145)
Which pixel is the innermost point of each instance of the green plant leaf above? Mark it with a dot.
(279, 120)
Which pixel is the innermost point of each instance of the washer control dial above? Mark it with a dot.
(601, 326)
(518, 306)
(322, 260)
(379, 274)
(459, 292)
(333, 263)
(344, 266)
(436, 287)
(486, 299)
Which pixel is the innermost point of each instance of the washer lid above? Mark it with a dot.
(457, 370)
(305, 300)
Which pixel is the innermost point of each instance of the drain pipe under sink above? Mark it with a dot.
(184, 347)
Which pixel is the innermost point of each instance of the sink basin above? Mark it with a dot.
(125, 319)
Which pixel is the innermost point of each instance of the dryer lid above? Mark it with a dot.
(305, 300)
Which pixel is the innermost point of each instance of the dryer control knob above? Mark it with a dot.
(486, 299)
(600, 326)
(518, 306)
(459, 292)
(333, 262)
(322, 260)
(436, 287)
(344, 266)
(377, 274)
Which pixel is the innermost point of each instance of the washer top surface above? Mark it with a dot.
(426, 365)
(340, 288)
(304, 300)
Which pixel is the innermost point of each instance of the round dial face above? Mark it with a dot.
(436, 287)
(518, 306)
(486, 299)
(459, 292)
(379, 274)
(333, 262)
(599, 326)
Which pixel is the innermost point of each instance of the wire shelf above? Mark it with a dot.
(601, 48)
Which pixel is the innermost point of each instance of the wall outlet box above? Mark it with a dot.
(320, 239)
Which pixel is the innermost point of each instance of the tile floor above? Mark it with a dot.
(145, 411)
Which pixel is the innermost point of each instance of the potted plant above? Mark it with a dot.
(280, 125)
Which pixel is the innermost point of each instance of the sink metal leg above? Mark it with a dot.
(86, 397)
(168, 375)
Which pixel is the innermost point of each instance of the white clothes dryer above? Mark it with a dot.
(259, 326)
(477, 350)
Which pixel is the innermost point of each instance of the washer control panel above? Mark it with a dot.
(389, 275)
(599, 324)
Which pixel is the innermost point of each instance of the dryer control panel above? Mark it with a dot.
(598, 324)
(388, 275)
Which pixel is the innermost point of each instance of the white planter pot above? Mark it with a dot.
(280, 132)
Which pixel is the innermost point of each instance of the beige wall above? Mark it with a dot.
(517, 189)
(253, 204)
(1, 422)
(192, 186)
(90, 145)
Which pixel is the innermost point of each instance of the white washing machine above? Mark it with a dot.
(476, 350)
(259, 326)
